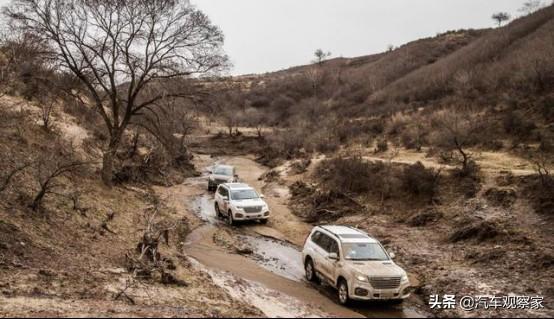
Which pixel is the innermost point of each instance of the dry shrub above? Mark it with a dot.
(478, 231)
(539, 189)
(420, 181)
(300, 166)
(320, 205)
(322, 141)
(282, 145)
(504, 197)
(397, 123)
(424, 218)
(382, 146)
(518, 126)
(352, 174)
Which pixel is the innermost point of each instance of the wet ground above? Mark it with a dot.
(271, 275)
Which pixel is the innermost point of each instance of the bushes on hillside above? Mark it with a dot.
(357, 176)
(352, 174)
(420, 181)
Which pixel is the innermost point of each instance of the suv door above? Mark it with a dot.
(316, 251)
(321, 250)
(329, 265)
(220, 199)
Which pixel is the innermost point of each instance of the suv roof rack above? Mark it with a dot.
(361, 231)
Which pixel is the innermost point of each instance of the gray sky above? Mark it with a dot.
(268, 35)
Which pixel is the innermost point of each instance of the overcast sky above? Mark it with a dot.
(268, 35)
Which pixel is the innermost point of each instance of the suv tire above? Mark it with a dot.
(217, 211)
(230, 219)
(342, 290)
(310, 271)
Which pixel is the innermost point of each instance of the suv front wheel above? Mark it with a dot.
(217, 211)
(343, 292)
(230, 219)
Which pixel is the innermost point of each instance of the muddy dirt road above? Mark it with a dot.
(270, 275)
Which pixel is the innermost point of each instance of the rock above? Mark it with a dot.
(424, 218)
(244, 250)
(46, 273)
(169, 279)
(116, 271)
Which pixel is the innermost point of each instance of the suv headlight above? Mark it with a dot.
(404, 278)
(361, 278)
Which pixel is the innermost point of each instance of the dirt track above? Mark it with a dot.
(271, 278)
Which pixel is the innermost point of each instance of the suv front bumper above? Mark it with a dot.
(365, 292)
(243, 216)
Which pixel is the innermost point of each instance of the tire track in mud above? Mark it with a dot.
(271, 278)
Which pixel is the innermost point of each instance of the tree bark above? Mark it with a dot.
(38, 199)
(107, 162)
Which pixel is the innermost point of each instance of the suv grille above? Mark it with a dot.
(220, 181)
(253, 209)
(385, 282)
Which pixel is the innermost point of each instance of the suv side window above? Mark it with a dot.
(333, 246)
(316, 237)
(324, 242)
(327, 243)
(223, 191)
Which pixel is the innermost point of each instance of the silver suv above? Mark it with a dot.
(220, 174)
(355, 264)
(239, 202)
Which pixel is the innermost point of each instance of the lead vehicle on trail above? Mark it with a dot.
(355, 264)
(220, 174)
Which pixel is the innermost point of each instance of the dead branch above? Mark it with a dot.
(11, 174)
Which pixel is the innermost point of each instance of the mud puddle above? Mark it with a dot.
(271, 302)
(278, 257)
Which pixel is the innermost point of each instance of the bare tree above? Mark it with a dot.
(17, 52)
(531, 6)
(47, 103)
(170, 121)
(455, 131)
(541, 167)
(257, 119)
(315, 76)
(134, 42)
(10, 174)
(321, 56)
(501, 17)
(48, 170)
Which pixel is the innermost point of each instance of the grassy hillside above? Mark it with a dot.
(498, 81)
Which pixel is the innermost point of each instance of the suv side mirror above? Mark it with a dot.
(262, 196)
(225, 198)
(392, 255)
(333, 256)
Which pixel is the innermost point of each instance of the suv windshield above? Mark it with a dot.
(364, 251)
(222, 170)
(244, 194)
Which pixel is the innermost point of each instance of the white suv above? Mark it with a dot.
(355, 264)
(220, 174)
(239, 202)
